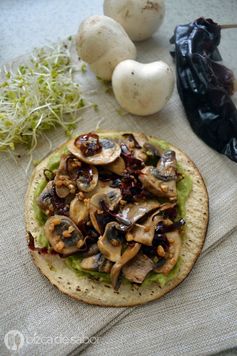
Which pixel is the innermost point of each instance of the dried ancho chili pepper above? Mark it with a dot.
(205, 86)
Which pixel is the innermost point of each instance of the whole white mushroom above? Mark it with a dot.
(142, 89)
(103, 43)
(139, 18)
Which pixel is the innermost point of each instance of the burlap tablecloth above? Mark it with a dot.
(199, 316)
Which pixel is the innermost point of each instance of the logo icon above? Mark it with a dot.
(14, 340)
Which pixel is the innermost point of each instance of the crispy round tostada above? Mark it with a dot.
(92, 291)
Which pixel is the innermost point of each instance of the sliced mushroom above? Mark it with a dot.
(87, 179)
(111, 200)
(149, 178)
(45, 200)
(96, 263)
(101, 187)
(161, 181)
(64, 185)
(167, 166)
(173, 253)
(103, 151)
(135, 211)
(135, 139)
(137, 269)
(128, 254)
(92, 250)
(135, 143)
(106, 266)
(117, 167)
(79, 210)
(91, 263)
(110, 244)
(144, 233)
(153, 153)
(63, 235)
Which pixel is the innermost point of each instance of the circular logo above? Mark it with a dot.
(14, 340)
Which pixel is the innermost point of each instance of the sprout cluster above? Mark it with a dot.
(38, 97)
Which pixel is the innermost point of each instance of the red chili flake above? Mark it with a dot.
(88, 144)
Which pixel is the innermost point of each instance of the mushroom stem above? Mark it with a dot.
(228, 26)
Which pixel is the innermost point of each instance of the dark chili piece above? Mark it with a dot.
(162, 228)
(88, 144)
(133, 164)
(205, 86)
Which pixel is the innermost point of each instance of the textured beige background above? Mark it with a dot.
(200, 315)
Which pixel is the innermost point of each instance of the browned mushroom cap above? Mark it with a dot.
(111, 200)
(87, 179)
(128, 254)
(117, 167)
(144, 233)
(173, 253)
(108, 153)
(110, 244)
(79, 210)
(63, 235)
(137, 269)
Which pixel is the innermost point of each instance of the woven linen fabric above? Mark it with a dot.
(30, 304)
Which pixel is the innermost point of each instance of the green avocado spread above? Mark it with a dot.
(184, 188)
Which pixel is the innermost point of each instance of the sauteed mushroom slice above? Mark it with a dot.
(87, 178)
(110, 199)
(134, 140)
(172, 254)
(167, 166)
(96, 263)
(110, 244)
(63, 235)
(137, 269)
(135, 211)
(50, 203)
(128, 255)
(79, 210)
(91, 263)
(118, 166)
(144, 233)
(45, 200)
(64, 184)
(161, 181)
(135, 143)
(94, 150)
(92, 250)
